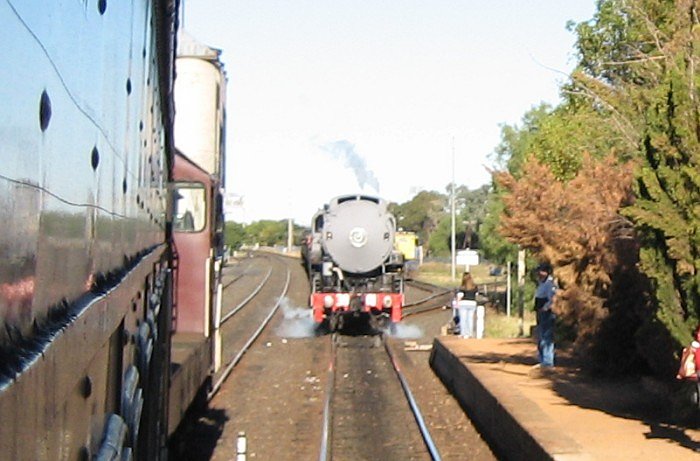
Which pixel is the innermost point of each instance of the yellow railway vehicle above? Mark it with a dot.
(407, 244)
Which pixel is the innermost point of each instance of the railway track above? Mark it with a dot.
(251, 298)
(247, 299)
(262, 296)
(244, 269)
(366, 394)
(239, 351)
(274, 397)
(426, 297)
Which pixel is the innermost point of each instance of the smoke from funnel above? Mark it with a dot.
(345, 151)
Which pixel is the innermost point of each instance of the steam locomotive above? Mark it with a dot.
(100, 352)
(353, 268)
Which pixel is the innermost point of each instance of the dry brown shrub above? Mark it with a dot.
(574, 226)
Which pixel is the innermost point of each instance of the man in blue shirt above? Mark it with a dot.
(544, 298)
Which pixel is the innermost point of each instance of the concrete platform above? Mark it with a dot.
(563, 415)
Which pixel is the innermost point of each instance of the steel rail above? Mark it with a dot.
(421, 310)
(428, 298)
(233, 280)
(326, 434)
(412, 307)
(425, 286)
(229, 368)
(430, 445)
(325, 452)
(240, 306)
(237, 277)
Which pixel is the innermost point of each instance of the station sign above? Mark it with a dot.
(467, 257)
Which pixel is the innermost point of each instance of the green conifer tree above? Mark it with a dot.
(640, 61)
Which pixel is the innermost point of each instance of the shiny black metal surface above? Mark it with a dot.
(82, 157)
(86, 120)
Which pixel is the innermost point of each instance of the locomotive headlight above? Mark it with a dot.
(328, 301)
(342, 299)
(371, 300)
(386, 302)
(358, 237)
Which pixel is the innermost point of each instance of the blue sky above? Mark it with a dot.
(333, 97)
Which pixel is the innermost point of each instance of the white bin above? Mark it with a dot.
(480, 318)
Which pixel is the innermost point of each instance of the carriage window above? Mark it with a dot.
(190, 207)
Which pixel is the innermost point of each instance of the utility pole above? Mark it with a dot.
(453, 239)
(290, 222)
(521, 292)
(508, 289)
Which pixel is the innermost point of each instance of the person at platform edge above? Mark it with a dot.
(544, 299)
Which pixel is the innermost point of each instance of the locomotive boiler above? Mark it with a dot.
(353, 268)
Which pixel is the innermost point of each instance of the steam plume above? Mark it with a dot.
(345, 151)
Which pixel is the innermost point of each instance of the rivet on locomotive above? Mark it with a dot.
(354, 270)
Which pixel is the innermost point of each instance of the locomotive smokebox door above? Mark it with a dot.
(362, 235)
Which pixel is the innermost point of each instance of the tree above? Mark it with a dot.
(639, 62)
(421, 214)
(574, 225)
(557, 137)
(267, 232)
(440, 238)
(516, 141)
(472, 206)
(234, 234)
(493, 245)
